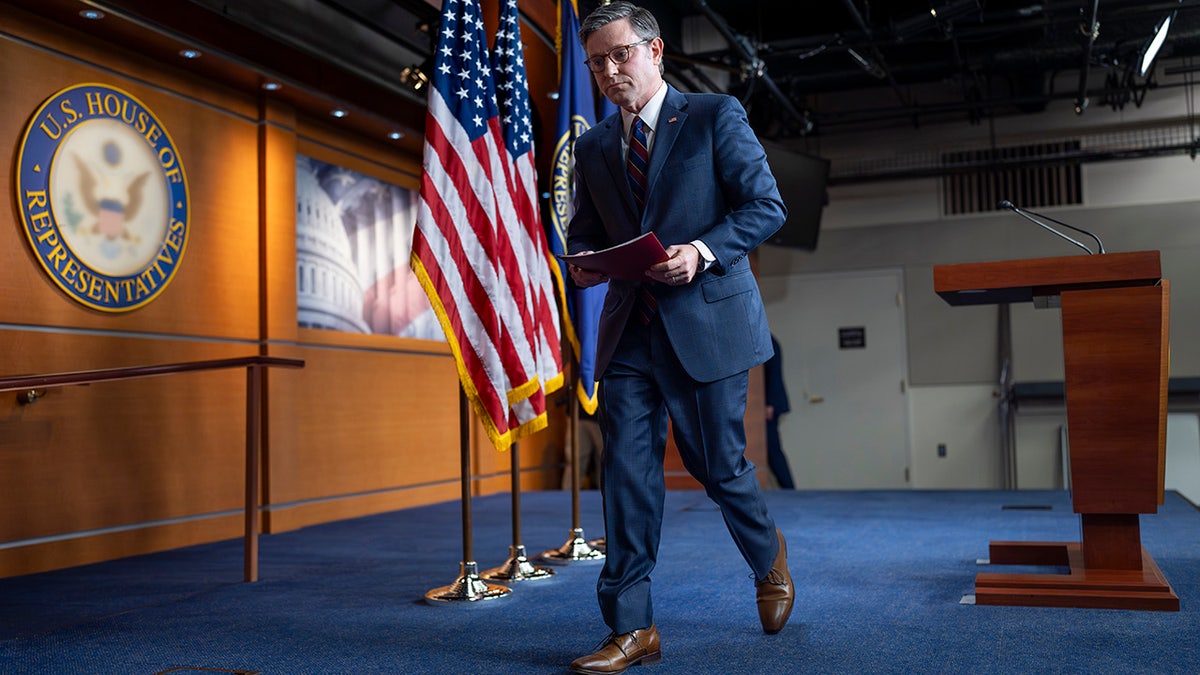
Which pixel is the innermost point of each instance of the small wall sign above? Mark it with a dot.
(852, 338)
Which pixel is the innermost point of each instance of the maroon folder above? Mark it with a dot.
(626, 262)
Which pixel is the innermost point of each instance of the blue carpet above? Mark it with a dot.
(880, 577)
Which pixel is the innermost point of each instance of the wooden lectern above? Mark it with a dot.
(1115, 310)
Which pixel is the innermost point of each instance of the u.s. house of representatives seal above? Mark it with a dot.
(103, 197)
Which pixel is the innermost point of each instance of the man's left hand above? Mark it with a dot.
(683, 260)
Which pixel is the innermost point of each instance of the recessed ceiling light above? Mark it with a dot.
(272, 86)
(338, 112)
(92, 14)
(190, 53)
(395, 135)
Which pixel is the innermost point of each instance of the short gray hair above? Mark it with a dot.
(642, 20)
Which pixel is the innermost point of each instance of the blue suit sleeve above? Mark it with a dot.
(756, 208)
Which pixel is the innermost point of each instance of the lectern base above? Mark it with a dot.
(1144, 588)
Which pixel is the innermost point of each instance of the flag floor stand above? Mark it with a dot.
(517, 568)
(467, 588)
(577, 549)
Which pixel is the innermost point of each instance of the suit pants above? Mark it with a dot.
(643, 384)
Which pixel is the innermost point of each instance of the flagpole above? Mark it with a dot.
(468, 586)
(517, 567)
(577, 548)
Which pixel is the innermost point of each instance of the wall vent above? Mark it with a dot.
(956, 167)
(1021, 175)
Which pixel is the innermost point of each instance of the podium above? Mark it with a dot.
(1115, 312)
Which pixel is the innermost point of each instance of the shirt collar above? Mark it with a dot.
(649, 112)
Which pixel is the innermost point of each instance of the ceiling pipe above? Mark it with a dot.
(1081, 101)
(758, 69)
(862, 25)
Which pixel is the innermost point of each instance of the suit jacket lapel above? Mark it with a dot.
(670, 121)
(614, 159)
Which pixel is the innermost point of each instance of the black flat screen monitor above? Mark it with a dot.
(802, 181)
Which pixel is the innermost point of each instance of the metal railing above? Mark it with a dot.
(33, 387)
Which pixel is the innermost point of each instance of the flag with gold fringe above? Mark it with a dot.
(467, 248)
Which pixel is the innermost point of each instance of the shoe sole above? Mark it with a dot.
(647, 660)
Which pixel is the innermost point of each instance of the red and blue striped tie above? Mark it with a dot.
(636, 162)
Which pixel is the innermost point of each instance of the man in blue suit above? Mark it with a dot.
(681, 342)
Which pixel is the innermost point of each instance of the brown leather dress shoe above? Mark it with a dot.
(776, 594)
(618, 652)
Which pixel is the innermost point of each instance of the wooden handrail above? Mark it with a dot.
(254, 366)
(19, 382)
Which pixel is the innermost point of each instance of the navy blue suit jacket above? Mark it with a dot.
(708, 179)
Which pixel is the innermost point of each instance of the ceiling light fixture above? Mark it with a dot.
(414, 77)
(190, 53)
(1155, 44)
(396, 135)
(873, 69)
(91, 14)
(271, 86)
(338, 113)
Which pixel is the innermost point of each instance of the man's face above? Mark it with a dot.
(631, 84)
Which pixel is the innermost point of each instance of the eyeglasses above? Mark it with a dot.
(619, 54)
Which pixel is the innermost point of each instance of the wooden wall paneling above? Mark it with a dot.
(390, 442)
(280, 430)
(119, 454)
(111, 545)
(128, 454)
(277, 219)
(542, 454)
(285, 427)
(369, 425)
(123, 60)
(380, 158)
(218, 284)
(282, 518)
(208, 293)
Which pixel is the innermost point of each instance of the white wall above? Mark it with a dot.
(1183, 455)
(1143, 204)
(965, 420)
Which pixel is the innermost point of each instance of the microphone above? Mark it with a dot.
(1029, 215)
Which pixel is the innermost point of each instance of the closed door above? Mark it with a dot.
(844, 366)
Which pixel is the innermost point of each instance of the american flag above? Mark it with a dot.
(463, 249)
(512, 93)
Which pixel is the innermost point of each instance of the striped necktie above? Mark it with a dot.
(636, 162)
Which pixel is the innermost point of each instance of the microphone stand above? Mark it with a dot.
(1029, 215)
